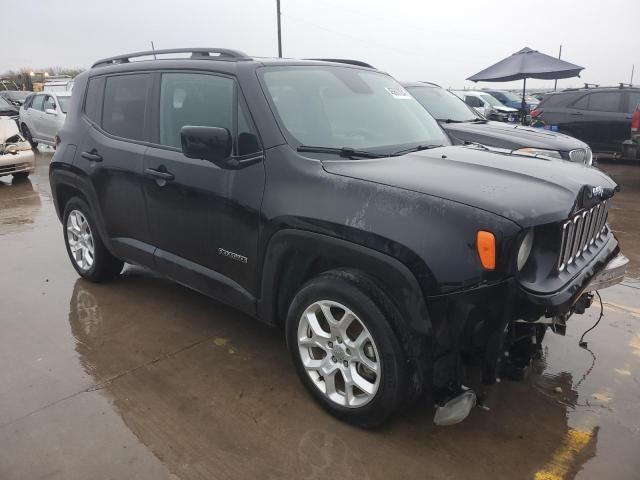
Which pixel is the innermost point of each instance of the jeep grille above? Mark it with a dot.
(580, 232)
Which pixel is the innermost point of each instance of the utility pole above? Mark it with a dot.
(279, 31)
(555, 82)
(154, 49)
(633, 67)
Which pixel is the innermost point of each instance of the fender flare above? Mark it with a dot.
(72, 178)
(287, 260)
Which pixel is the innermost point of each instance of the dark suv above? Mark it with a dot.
(321, 197)
(600, 116)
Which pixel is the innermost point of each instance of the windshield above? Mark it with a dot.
(512, 97)
(329, 106)
(20, 96)
(443, 105)
(490, 100)
(64, 103)
(4, 105)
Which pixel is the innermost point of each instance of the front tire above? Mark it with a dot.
(85, 248)
(344, 349)
(27, 135)
(21, 175)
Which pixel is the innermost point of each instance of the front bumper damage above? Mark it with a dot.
(15, 152)
(496, 329)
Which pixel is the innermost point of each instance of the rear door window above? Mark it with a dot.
(125, 106)
(604, 101)
(49, 103)
(582, 103)
(38, 102)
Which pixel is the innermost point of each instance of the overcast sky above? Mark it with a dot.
(440, 41)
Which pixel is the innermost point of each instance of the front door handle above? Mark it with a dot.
(576, 113)
(152, 172)
(93, 155)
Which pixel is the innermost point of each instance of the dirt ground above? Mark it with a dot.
(145, 379)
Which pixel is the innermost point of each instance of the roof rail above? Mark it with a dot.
(590, 85)
(622, 85)
(347, 61)
(196, 53)
(430, 83)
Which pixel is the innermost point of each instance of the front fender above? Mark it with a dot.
(292, 253)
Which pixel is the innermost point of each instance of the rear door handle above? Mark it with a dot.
(152, 172)
(92, 155)
(576, 113)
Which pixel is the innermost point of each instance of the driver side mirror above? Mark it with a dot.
(213, 144)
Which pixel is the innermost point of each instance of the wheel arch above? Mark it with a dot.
(66, 183)
(295, 256)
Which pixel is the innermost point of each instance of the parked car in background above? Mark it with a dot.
(42, 115)
(509, 99)
(16, 157)
(531, 101)
(7, 109)
(599, 116)
(631, 147)
(420, 257)
(463, 123)
(487, 105)
(15, 97)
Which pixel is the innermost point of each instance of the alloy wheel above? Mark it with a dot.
(80, 240)
(339, 354)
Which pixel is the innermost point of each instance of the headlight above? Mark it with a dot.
(540, 152)
(525, 249)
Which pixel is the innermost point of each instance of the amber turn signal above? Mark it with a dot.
(486, 245)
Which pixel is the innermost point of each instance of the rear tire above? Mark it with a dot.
(26, 133)
(85, 248)
(344, 349)
(21, 175)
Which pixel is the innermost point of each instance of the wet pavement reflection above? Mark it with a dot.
(146, 379)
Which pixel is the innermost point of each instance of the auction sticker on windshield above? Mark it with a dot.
(399, 93)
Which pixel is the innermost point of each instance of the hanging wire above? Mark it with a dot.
(582, 343)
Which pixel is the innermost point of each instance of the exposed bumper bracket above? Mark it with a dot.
(612, 274)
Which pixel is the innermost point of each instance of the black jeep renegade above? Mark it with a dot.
(321, 197)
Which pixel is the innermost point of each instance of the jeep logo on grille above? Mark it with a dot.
(597, 191)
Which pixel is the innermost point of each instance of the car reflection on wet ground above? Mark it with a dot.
(146, 379)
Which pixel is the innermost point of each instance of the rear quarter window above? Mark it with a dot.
(93, 99)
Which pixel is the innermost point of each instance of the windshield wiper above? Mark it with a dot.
(451, 120)
(417, 148)
(345, 152)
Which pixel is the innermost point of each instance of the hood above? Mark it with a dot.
(512, 136)
(528, 191)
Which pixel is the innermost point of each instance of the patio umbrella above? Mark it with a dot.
(524, 64)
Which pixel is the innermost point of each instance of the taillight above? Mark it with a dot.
(635, 123)
(535, 113)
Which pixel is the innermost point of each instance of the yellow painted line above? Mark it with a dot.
(558, 467)
(621, 308)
